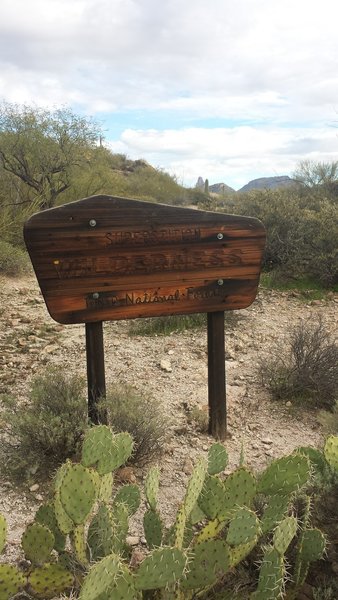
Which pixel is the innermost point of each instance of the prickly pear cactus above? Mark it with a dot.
(79, 490)
(240, 489)
(153, 528)
(243, 527)
(100, 534)
(37, 543)
(122, 587)
(45, 515)
(50, 580)
(3, 532)
(208, 561)
(106, 487)
(331, 451)
(151, 486)
(213, 500)
(285, 475)
(274, 512)
(98, 449)
(130, 496)
(217, 459)
(100, 578)
(11, 581)
(195, 485)
(78, 542)
(271, 576)
(120, 516)
(284, 534)
(162, 567)
(312, 545)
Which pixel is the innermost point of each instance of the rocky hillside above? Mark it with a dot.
(268, 183)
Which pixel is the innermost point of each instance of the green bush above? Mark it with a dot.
(13, 260)
(306, 370)
(48, 429)
(166, 325)
(140, 415)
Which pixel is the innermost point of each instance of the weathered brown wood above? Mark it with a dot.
(107, 258)
(95, 371)
(216, 376)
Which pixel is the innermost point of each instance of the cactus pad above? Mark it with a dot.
(11, 581)
(37, 543)
(130, 496)
(210, 530)
(98, 449)
(195, 485)
(243, 527)
(274, 512)
(331, 451)
(217, 459)
(100, 578)
(78, 492)
(153, 528)
(120, 527)
(238, 553)
(45, 515)
(50, 580)
(209, 561)
(3, 532)
(151, 486)
(106, 487)
(240, 489)
(212, 500)
(162, 567)
(312, 545)
(271, 576)
(285, 475)
(64, 522)
(100, 534)
(79, 544)
(284, 534)
(122, 588)
(179, 527)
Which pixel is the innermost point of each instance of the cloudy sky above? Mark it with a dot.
(227, 89)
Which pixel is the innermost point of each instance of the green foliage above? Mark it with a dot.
(306, 370)
(13, 260)
(49, 428)
(302, 229)
(140, 415)
(191, 561)
(167, 325)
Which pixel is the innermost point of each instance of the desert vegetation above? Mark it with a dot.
(48, 158)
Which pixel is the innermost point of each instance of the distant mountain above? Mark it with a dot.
(220, 188)
(267, 183)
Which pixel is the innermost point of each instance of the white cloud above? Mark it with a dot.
(270, 66)
(230, 155)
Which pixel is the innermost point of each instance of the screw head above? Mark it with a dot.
(92, 222)
(96, 295)
(220, 236)
(220, 281)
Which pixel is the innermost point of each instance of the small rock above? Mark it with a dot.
(171, 352)
(116, 343)
(188, 466)
(205, 448)
(288, 403)
(34, 487)
(267, 441)
(126, 474)
(166, 365)
(51, 348)
(132, 540)
(39, 497)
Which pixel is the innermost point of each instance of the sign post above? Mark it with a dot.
(108, 258)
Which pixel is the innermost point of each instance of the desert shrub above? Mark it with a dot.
(200, 418)
(329, 419)
(140, 415)
(302, 229)
(307, 369)
(44, 432)
(166, 325)
(13, 260)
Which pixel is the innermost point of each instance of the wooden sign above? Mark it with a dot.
(105, 258)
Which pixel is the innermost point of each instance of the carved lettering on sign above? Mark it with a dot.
(151, 237)
(143, 264)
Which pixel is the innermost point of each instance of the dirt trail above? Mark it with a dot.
(30, 340)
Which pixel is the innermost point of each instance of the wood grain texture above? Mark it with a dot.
(105, 258)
